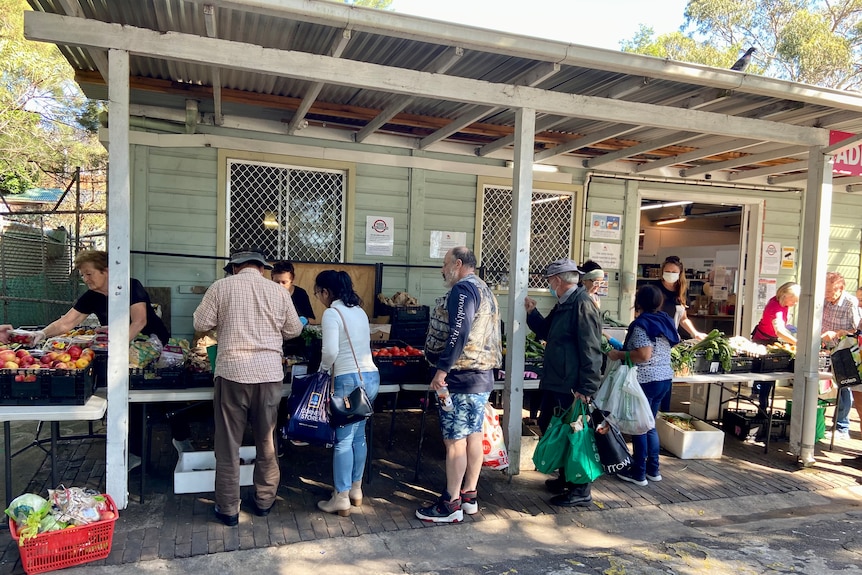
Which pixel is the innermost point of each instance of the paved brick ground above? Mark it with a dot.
(169, 526)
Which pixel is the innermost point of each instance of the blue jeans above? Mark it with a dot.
(351, 450)
(842, 411)
(646, 446)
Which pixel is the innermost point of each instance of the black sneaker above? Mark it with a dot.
(469, 502)
(444, 511)
(572, 498)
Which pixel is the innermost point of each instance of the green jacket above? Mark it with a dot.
(573, 356)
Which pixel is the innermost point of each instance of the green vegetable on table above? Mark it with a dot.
(714, 346)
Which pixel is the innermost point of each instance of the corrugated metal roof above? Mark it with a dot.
(410, 43)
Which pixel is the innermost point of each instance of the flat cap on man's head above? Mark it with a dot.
(240, 258)
(561, 266)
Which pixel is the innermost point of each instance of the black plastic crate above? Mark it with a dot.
(409, 314)
(403, 369)
(703, 365)
(199, 379)
(410, 334)
(743, 424)
(741, 364)
(773, 362)
(47, 387)
(173, 378)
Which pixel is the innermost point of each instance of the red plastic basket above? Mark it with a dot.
(67, 547)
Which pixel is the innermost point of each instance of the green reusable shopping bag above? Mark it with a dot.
(553, 447)
(583, 465)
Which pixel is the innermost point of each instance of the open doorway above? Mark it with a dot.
(709, 240)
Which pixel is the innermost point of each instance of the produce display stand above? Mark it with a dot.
(93, 409)
(67, 547)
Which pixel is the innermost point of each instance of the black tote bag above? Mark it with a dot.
(613, 450)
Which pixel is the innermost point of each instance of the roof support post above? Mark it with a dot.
(519, 268)
(119, 200)
(816, 214)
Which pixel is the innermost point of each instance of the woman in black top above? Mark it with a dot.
(93, 267)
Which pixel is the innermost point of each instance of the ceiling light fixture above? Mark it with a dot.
(537, 167)
(664, 205)
(668, 221)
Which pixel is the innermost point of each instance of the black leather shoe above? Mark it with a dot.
(229, 520)
(556, 485)
(571, 499)
(259, 511)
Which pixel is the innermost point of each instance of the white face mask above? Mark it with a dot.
(670, 277)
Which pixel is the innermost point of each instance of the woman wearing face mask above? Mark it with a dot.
(673, 287)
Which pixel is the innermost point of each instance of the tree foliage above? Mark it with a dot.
(815, 42)
(41, 138)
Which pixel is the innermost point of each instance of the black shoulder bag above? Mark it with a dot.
(356, 406)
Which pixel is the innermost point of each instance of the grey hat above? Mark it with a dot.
(561, 266)
(244, 257)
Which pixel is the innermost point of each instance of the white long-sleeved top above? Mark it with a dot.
(336, 349)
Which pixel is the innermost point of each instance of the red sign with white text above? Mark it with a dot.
(848, 161)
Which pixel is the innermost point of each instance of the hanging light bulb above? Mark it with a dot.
(270, 222)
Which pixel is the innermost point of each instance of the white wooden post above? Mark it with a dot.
(119, 200)
(519, 268)
(816, 214)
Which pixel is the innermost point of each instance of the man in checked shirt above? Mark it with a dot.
(252, 316)
(841, 317)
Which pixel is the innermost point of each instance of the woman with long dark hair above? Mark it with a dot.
(648, 342)
(347, 357)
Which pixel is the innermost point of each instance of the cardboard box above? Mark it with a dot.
(380, 331)
(707, 442)
(195, 471)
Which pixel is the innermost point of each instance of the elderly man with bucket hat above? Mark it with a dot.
(573, 359)
(252, 316)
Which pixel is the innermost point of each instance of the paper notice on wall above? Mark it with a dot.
(766, 288)
(605, 226)
(606, 255)
(788, 258)
(770, 258)
(442, 242)
(379, 235)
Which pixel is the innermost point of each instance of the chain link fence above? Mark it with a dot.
(288, 213)
(551, 222)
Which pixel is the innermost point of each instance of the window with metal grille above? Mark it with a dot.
(288, 212)
(550, 231)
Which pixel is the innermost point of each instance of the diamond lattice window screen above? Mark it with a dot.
(290, 213)
(550, 232)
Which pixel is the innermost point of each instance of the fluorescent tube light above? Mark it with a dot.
(664, 205)
(668, 221)
(537, 167)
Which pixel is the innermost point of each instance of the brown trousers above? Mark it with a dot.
(235, 404)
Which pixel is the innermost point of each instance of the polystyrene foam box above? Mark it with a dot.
(705, 442)
(195, 471)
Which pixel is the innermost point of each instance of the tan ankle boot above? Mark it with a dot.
(356, 493)
(338, 503)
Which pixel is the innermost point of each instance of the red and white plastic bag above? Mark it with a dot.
(494, 451)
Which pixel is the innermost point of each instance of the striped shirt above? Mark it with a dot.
(252, 316)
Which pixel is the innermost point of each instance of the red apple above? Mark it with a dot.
(27, 360)
(60, 365)
(22, 352)
(19, 377)
(74, 351)
(45, 360)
